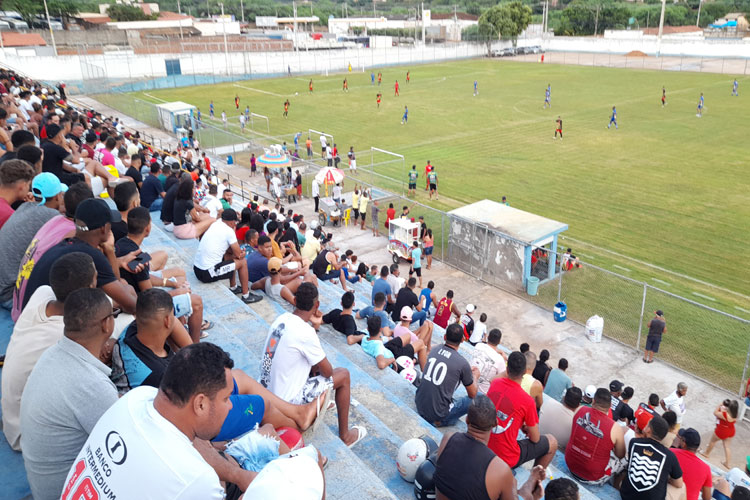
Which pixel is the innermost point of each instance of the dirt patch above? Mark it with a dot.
(636, 53)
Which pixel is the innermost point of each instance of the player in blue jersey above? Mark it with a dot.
(199, 117)
(476, 88)
(613, 118)
(405, 118)
(211, 109)
(296, 140)
(701, 104)
(734, 88)
(548, 96)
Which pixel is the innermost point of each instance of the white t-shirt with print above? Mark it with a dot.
(214, 244)
(490, 364)
(212, 204)
(134, 452)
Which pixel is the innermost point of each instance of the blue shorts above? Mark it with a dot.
(652, 343)
(246, 413)
(428, 250)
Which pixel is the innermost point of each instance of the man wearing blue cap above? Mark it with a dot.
(21, 227)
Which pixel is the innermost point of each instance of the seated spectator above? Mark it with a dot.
(672, 428)
(342, 320)
(190, 407)
(15, 186)
(219, 257)
(250, 242)
(32, 155)
(467, 468)
(272, 286)
(152, 189)
(50, 234)
(646, 411)
(424, 334)
(378, 309)
(597, 444)
(39, 326)
(467, 322)
(407, 298)
(558, 381)
(444, 309)
(479, 331)
(624, 413)
(542, 368)
(66, 393)
(615, 389)
(429, 296)
(184, 207)
(244, 225)
(94, 237)
(257, 265)
(516, 409)
(126, 197)
(588, 395)
(19, 138)
(489, 360)
(295, 368)
(312, 247)
(724, 491)
(695, 472)
(133, 168)
(381, 285)
(531, 385)
(20, 228)
(62, 159)
(375, 346)
(524, 348)
(139, 227)
(648, 454)
(226, 198)
(327, 267)
(557, 418)
(167, 209)
(446, 370)
(561, 489)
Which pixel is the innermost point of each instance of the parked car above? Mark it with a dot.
(534, 49)
(508, 51)
(40, 22)
(15, 23)
(4, 26)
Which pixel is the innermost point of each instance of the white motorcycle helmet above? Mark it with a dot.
(412, 454)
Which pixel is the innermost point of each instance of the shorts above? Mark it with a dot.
(185, 231)
(652, 343)
(416, 270)
(396, 346)
(719, 495)
(433, 187)
(532, 451)
(314, 387)
(412, 185)
(356, 214)
(70, 178)
(246, 413)
(428, 250)
(353, 164)
(221, 271)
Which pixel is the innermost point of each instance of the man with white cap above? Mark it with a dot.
(19, 230)
(467, 322)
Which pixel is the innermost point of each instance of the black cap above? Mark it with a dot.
(229, 215)
(52, 130)
(691, 437)
(659, 312)
(94, 213)
(615, 386)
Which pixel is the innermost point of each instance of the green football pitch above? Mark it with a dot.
(663, 199)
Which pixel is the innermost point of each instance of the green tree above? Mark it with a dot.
(121, 12)
(506, 20)
(64, 8)
(26, 8)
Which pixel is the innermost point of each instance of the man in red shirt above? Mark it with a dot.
(15, 186)
(597, 444)
(695, 472)
(396, 88)
(646, 411)
(516, 410)
(427, 169)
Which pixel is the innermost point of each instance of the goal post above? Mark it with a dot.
(312, 132)
(261, 118)
(380, 158)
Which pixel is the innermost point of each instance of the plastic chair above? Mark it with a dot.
(347, 216)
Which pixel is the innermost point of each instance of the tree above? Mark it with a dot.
(26, 8)
(121, 12)
(506, 20)
(63, 8)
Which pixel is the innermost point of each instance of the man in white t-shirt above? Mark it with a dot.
(294, 365)
(323, 145)
(219, 257)
(489, 360)
(212, 203)
(276, 187)
(676, 403)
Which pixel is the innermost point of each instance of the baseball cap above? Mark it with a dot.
(95, 213)
(659, 312)
(229, 215)
(590, 391)
(406, 313)
(690, 436)
(46, 185)
(52, 130)
(615, 386)
(470, 308)
(274, 265)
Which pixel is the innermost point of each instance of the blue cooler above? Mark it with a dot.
(560, 311)
(230, 160)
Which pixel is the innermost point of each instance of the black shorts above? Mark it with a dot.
(416, 270)
(532, 451)
(433, 187)
(652, 343)
(412, 185)
(356, 214)
(398, 349)
(221, 271)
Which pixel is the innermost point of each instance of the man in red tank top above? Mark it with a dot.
(597, 444)
(445, 308)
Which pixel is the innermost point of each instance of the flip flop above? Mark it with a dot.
(321, 410)
(325, 463)
(207, 325)
(361, 434)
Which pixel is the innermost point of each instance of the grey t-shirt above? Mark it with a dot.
(15, 237)
(444, 370)
(67, 391)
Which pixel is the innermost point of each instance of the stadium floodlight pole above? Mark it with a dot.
(294, 11)
(423, 27)
(661, 27)
(224, 31)
(698, 20)
(179, 11)
(49, 25)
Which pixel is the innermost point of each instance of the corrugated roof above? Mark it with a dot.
(11, 39)
(165, 15)
(461, 16)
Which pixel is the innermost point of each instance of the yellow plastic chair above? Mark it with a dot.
(347, 216)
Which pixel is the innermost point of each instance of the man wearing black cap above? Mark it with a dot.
(695, 472)
(93, 221)
(219, 256)
(615, 389)
(656, 327)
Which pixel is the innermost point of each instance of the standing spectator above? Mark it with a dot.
(726, 416)
(594, 437)
(558, 381)
(656, 328)
(445, 369)
(646, 411)
(557, 418)
(531, 385)
(651, 465)
(363, 201)
(695, 472)
(489, 360)
(308, 145)
(298, 184)
(66, 393)
(428, 295)
(390, 214)
(315, 191)
(416, 262)
(444, 309)
(516, 409)
(676, 402)
(542, 368)
(375, 223)
(428, 242)
(624, 412)
(15, 184)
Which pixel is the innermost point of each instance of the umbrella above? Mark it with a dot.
(330, 175)
(274, 157)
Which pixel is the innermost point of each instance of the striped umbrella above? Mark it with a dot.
(274, 158)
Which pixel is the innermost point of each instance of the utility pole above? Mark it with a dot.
(242, 11)
(423, 27)
(294, 11)
(224, 31)
(179, 11)
(596, 20)
(698, 21)
(661, 27)
(51, 34)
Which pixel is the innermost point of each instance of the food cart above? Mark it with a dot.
(402, 233)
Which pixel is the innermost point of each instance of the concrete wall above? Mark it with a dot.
(84, 37)
(649, 45)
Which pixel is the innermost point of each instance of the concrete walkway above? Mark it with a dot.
(522, 321)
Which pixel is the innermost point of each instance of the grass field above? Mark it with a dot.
(664, 199)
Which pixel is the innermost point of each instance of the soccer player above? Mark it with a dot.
(380, 96)
(405, 118)
(701, 103)
(613, 118)
(558, 128)
(199, 117)
(372, 78)
(548, 97)
(224, 119)
(408, 78)
(413, 174)
(734, 88)
(286, 108)
(237, 102)
(433, 180)
(427, 169)
(380, 78)
(476, 88)
(396, 88)
(346, 86)
(242, 123)
(663, 97)
(310, 86)
(247, 113)
(211, 109)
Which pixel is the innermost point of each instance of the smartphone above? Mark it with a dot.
(141, 258)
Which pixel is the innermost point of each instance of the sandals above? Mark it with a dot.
(361, 434)
(207, 325)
